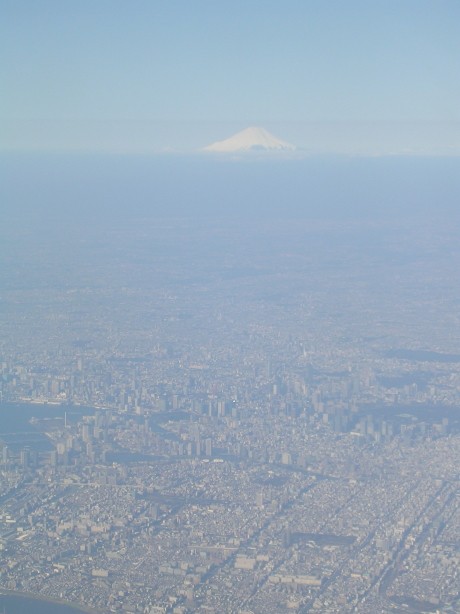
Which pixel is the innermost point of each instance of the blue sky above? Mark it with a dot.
(376, 76)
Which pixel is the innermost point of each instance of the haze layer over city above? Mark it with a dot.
(229, 316)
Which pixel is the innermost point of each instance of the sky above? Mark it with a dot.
(360, 76)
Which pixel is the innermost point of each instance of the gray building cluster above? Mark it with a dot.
(256, 432)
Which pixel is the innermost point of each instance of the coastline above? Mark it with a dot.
(76, 607)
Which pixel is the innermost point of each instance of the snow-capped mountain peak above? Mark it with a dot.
(250, 139)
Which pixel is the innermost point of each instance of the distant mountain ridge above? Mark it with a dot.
(250, 139)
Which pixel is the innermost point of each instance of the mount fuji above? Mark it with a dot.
(248, 140)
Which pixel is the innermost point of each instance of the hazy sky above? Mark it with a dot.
(147, 74)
